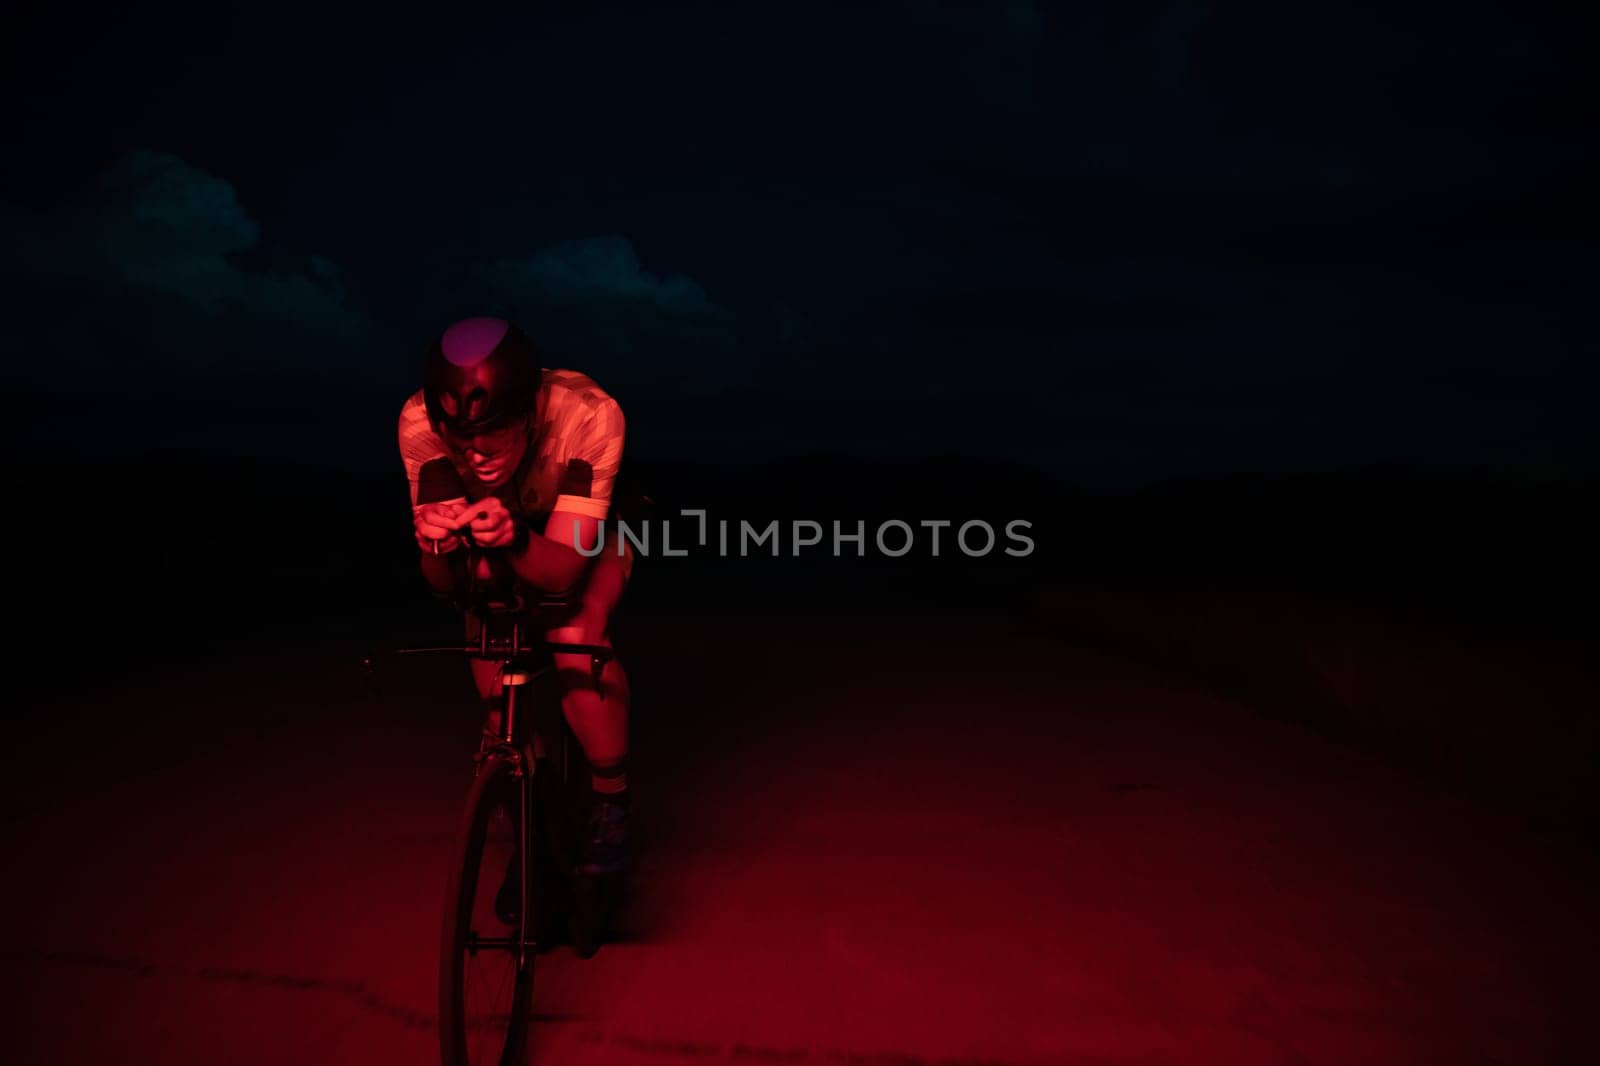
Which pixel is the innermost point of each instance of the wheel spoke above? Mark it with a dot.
(484, 996)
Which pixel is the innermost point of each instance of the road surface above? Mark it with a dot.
(864, 844)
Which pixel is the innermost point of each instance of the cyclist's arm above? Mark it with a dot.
(555, 561)
(422, 453)
(549, 561)
(443, 573)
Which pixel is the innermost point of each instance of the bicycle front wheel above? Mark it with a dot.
(485, 971)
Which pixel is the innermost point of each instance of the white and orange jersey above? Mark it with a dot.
(574, 450)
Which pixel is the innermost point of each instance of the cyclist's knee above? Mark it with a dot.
(575, 672)
(592, 619)
(493, 714)
(486, 676)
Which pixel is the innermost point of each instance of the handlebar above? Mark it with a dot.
(507, 649)
(490, 605)
(502, 650)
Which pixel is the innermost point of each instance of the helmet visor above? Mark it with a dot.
(489, 436)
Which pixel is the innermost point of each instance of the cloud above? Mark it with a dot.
(154, 250)
(593, 300)
(596, 289)
(143, 325)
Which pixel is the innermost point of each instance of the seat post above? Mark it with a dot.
(512, 679)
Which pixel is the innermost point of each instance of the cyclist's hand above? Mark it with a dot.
(491, 524)
(436, 525)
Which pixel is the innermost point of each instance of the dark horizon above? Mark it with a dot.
(1118, 248)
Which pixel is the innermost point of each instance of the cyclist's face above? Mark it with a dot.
(493, 455)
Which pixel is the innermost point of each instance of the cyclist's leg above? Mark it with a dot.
(598, 714)
(486, 677)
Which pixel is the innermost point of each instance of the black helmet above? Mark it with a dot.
(480, 375)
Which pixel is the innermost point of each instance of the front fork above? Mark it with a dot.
(514, 680)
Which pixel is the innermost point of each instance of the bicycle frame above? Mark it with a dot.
(506, 755)
(519, 669)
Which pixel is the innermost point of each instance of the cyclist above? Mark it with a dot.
(528, 456)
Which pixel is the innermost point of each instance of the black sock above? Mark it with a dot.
(610, 782)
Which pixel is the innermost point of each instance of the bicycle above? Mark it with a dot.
(517, 825)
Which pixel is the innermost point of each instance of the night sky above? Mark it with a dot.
(1115, 243)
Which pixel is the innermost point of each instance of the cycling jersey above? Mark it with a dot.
(574, 451)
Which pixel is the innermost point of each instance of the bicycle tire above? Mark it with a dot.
(468, 1036)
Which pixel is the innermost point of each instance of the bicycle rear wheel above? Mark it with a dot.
(485, 977)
